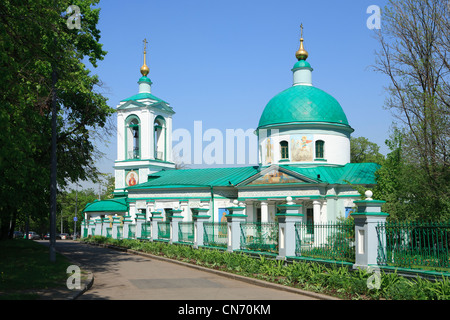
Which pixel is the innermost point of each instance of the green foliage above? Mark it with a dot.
(34, 42)
(404, 186)
(413, 40)
(362, 150)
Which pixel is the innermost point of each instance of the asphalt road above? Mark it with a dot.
(124, 276)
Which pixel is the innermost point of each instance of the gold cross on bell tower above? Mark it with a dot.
(144, 69)
(145, 45)
(301, 28)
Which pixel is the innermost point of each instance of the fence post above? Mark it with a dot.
(91, 227)
(106, 224)
(84, 229)
(126, 226)
(234, 218)
(175, 218)
(116, 225)
(367, 217)
(288, 216)
(200, 216)
(156, 217)
(140, 219)
(98, 226)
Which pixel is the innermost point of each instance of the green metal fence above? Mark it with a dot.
(120, 232)
(215, 234)
(259, 236)
(146, 230)
(108, 232)
(131, 231)
(163, 230)
(329, 241)
(186, 232)
(414, 245)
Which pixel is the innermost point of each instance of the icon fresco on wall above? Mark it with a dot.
(273, 177)
(132, 178)
(269, 151)
(301, 148)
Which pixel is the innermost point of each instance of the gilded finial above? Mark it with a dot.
(301, 54)
(144, 69)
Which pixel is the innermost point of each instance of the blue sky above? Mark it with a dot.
(222, 61)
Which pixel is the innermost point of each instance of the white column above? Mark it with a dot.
(132, 210)
(324, 212)
(316, 211)
(272, 212)
(187, 216)
(145, 134)
(264, 211)
(319, 235)
(250, 212)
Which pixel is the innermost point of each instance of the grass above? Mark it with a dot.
(25, 266)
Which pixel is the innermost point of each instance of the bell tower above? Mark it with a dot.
(144, 135)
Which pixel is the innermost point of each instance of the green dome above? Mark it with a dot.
(300, 104)
(302, 64)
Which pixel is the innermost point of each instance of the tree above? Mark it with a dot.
(34, 41)
(73, 201)
(414, 55)
(362, 150)
(110, 186)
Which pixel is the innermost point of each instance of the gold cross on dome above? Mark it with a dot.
(301, 28)
(145, 45)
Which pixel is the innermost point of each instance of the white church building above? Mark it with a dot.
(304, 153)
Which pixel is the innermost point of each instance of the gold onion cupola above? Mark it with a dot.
(144, 82)
(145, 69)
(301, 54)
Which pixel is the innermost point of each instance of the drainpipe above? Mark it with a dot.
(212, 200)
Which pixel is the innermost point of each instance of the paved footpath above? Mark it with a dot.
(125, 276)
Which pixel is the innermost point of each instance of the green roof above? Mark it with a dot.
(145, 79)
(109, 205)
(197, 177)
(303, 104)
(302, 64)
(354, 173)
(141, 96)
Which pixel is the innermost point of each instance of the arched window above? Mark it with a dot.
(320, 149)
(284, 150)
(160, 138)
(133, 141)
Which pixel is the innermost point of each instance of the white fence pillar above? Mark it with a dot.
(175, 218)
(234, 218)
(289, 215)
(200, 216)
(156, 217)
(367, 217)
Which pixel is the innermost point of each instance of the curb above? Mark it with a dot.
(87, 285)
(254, 281)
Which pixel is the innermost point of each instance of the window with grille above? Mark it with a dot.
(320, 154)
(284, 147)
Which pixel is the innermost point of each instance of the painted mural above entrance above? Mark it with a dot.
(275, 176)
